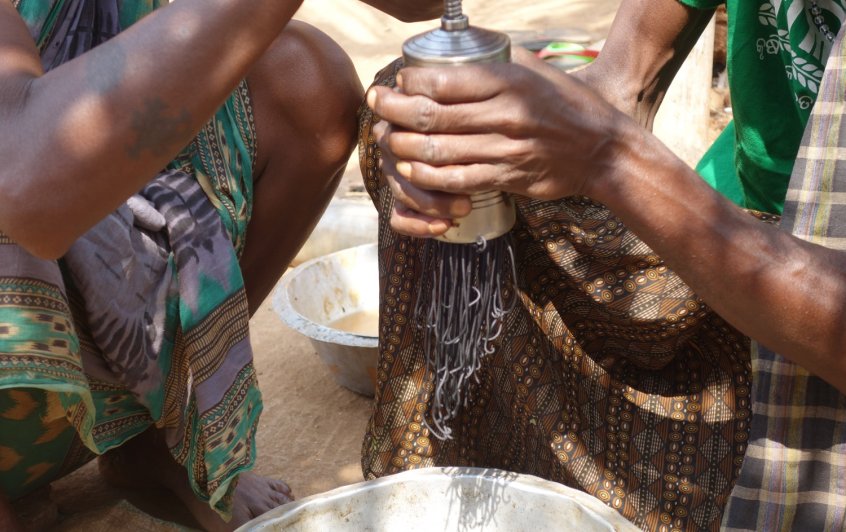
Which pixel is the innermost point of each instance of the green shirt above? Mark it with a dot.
(776, 55)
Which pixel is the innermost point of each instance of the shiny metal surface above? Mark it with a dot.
(457, 43)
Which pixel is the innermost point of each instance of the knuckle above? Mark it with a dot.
(383, 140)
(439, 84)
(458, 178)
(399, 194)
(426, 118)
(390, 144)
(396, 222)
(431, 149)
(511, 120)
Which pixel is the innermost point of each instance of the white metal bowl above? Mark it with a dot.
(446, 499)
(319, 292)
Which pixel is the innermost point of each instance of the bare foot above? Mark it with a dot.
(36, 510)
(8, 517)
(145, 462)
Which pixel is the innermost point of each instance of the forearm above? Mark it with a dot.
(647, 44)
(783, 292)
(79, 140)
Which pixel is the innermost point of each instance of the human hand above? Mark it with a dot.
(525, 128)
(409, 10)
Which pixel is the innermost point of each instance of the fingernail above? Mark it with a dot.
(438, 227)
(371, 98)
(399, 80)
(404, 169)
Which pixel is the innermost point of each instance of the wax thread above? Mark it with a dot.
(461, 311)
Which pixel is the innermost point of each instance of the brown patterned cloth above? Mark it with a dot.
(611, 376)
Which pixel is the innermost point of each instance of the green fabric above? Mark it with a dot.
(775, 62)
(42, 337)
(40, 15)
(36, 440)
(228, 137)
(718, 170)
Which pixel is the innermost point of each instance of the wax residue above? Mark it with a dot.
(362, 322)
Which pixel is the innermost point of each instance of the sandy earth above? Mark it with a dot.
(311, 428)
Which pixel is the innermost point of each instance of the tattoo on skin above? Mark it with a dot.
(157, 130)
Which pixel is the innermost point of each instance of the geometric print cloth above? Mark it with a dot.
(794, 473)
(610, 375)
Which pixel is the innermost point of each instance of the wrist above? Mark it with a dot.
(615, 155)
(632, 160)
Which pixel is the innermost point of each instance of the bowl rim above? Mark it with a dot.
(595, 509)
(281, 303)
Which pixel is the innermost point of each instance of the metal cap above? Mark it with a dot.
(457, 43)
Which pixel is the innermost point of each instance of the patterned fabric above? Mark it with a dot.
(794, 476)
(777, 49)
(38, 443)
(610, 375)
(145, 320)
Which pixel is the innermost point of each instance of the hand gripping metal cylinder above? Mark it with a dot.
(457, 43)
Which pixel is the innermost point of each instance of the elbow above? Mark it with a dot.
(37, 243)
(26, 224)
(45, 249)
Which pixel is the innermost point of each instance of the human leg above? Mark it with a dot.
(37, 445)
(305, 94)
(253, 494)
(8, 519)
(302, 148)
(146, 462)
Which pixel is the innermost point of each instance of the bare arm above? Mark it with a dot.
(646, 46)
(79, 140)
(531, 130)
(409, 10)
(782, 291)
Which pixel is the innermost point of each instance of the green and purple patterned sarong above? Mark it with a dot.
(144, 322)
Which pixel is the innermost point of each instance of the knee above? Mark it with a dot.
(307, 88)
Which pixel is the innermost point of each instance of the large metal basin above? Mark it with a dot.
(446, 499)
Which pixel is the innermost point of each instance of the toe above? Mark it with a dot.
(281, 498)
(281, 487)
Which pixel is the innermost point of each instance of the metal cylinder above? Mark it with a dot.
(457, 43)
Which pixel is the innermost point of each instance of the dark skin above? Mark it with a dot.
(95, 138)
(129, 122)
(529, 129)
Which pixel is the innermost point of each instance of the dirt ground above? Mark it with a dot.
(311, 429)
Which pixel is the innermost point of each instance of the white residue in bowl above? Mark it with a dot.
(362, 323)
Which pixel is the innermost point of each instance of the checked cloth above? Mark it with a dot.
(794, 473)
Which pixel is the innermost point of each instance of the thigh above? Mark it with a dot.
(305, 94)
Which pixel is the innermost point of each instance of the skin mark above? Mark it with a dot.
(157, 130)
